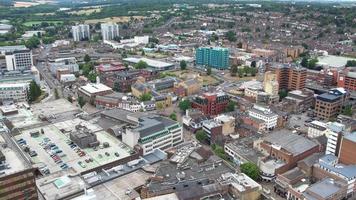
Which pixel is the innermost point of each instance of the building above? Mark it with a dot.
(193, 119)
(334, 133)
(128, 43)
(329, 105)
(227, 123)
(20, 185)
(283, 150)
(84, 137)
(326, 189)
(91, 90)
(299, 100)
(213, 130)
(263, 52)
(19, 60)
(139, 89)
(347, 152)
(14, 91)
(347, 79)
(211, 103)
(265, 114)
(110, 68)
(109, 31)
(293, 52)
(67, 78)
(289, 77)
(69, 63)
(153, 132)
(9, 49)
(270, 83)
(316, 129)
(187, 88)
(153, 64)
(81, 32)
(214, 57)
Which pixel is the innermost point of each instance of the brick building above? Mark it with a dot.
(289, 77)
(91, 90)
(211, 103)
(347, 79)
(347, 152)
(330, 104)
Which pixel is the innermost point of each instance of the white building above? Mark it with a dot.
(69, 63)
(19, 60)
(66, 78)
(154, 132)
(29, 34)
(81, 32)
(136, 41)
(13, 91)
(333, 133)
(264, 114)
(109, 31)
(316, 129)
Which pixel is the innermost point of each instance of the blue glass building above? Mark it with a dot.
(214, 57)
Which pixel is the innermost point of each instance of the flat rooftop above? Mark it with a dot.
(93, 88)
(333, 61)
(290, 142)
(325, 189)
(150, 62)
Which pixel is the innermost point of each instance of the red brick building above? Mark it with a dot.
(347, 79)
(347, 153)
(211, 103)
(109, 68)
(289, 77)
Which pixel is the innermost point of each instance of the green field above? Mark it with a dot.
(31, 23)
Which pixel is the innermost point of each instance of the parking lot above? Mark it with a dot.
(52, 147)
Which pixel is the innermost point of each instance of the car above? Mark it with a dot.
(58, 162)
(90, 160)
(33, 153)
(58, 151)
(81, 154)
(64, 166)
(100, 156)
(117, 154)
(54, 148)
(83, 165)
(107, 153)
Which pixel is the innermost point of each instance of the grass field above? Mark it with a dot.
(113, 19)
(85, 11)
(31, 23)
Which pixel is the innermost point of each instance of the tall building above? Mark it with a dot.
(109, 31)
(211, 103)
(215, 57)
(334, 134)
(19, 60)
(347, 79)
(270, 83)
(289, 77)
(13, 91)
(329, 105)
(81, 32)
(153, 132)
(347, 153)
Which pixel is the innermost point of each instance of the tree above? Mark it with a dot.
(184, 105)
(159, 106)
(304, 62)
(173, 116)
(234, 70)
(208, 71)
(241, 72)
(251, 170)
(146, 97)
(312, 63)
(183, 65)
(219, 151)
(141, 65)
(253, 71)
(351, 63)
(283, 93)
(87, 58)
(231, 36)
(56, 95)
(33, 42)
(81, 101)
(230, 106)
(347, 110)
(34, 91)
(143, 53)
(201, 136)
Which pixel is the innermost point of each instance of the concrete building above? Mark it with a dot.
(213, 130)
(153, 132)
(139, 89)
(316, 129)
(334, 134)
(84, 137)
(270, 83)
(9, 49)
(329, 105)
(211, 103)
(69, 63)
(153, 64)
(214, 57)
(193, 119)
(298, 100)
(109, 31)
(19, 60)
(187, 88)
(227, 123)
(81, 32)
(265, 114)
(91, 90)
(347, 152)
(14, 91)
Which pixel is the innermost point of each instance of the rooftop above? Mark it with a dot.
(93, 88)
(351, 137)
(325, 189)
(150, 62)
(329, 162)
(152, 124)
(289, 141)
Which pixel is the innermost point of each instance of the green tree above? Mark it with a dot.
(351, 63)
(233, 70)
(253, 71)
(251, 170)
(34, 91)
(219, 151)
(201, 136)
(159, 106)
(184, 105)
(231, 36)
(33, 42)
(347, 110)
(304, 62)
(81, 101)
(230, 106)
(312, 63)
(241, 72)
(183, 65)
(56, 95)
(87, 58)
(173, 116)
(141, 65)
(146, 97)
(282, 94)
(143, 53)
(208, 71)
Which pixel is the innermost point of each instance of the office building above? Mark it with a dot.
(299, 100)
(289, 77)
(19, 60)
(81, 32)
(69, 63)
(270, 83)
(329, 105)
(153, 132)
(316, 129)
(347, 79)
(109, 31)
(214, 57)
(265, 114)
(14, 92)
(211, 103)
(347, 153)
(326, 189)
(334, 133)
(91, 90)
